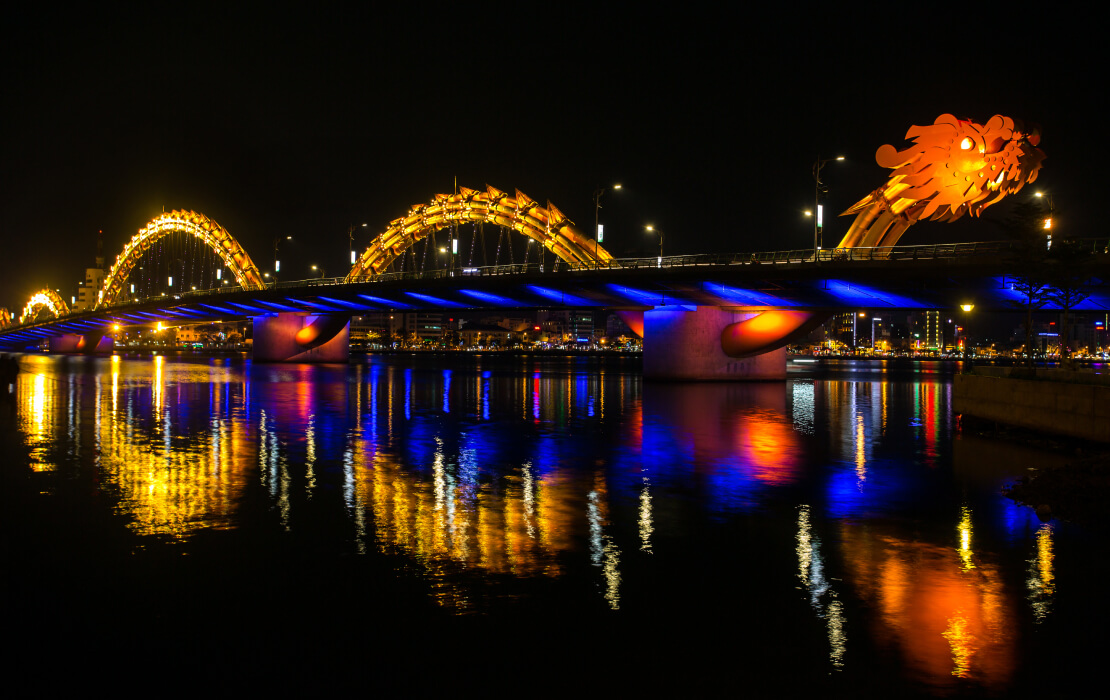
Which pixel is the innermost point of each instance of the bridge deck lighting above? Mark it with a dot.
(967, 307)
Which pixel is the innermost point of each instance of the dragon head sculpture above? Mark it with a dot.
(954, 167)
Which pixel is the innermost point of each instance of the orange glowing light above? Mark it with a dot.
(545, 225)
(192, 223)
(933, 180)
(44, 299)
(767, 331)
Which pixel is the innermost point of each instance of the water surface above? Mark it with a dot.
(499, 521)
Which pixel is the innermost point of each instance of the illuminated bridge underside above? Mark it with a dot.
(548, 226)
(212, 234)
(885, 286)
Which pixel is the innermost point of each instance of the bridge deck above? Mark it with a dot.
(907, 277)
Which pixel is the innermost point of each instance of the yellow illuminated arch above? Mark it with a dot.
(546, 225)
(45, 299)
(5, 317)
(212, 234)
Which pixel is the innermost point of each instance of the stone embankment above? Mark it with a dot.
(1060, 402)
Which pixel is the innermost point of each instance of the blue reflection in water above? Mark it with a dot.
(532, 477)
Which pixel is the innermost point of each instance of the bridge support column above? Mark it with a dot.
(683, 343)
(96, 343)
(292, 337)
(93, 343)
(65, 343)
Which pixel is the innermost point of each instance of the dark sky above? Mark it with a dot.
(304, 121)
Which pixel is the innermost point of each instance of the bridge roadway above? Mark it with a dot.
(899, 278)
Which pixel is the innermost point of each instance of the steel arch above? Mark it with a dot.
(546, 225)
(47, 298)
(212, 234)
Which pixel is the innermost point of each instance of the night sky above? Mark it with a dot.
(305, 121)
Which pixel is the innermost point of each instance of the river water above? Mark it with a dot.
(531, 525)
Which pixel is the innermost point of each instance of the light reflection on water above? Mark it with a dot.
(545, 471)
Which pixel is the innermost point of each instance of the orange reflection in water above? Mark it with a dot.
(515, 526)
(948, 621)
(743, 424)
(769, 445)
(163, 487)
(36, 418)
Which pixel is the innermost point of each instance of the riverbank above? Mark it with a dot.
(1077, 492)
(1058, 402)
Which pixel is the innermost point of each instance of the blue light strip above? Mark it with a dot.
(385, 302)
(312, 305)
(350, 304)
(747, 296)
(279, 307)
(435, 301)
(221, 309)
(649, 298)
(488, 298)
(558, 296)
(250, 309)
(860, 295)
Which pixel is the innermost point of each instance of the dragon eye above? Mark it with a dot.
(966, 143)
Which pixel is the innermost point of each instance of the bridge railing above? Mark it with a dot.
(937, 251)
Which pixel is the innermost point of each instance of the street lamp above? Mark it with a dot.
(277, 262)
(351, 241)
(651, 229)
(817, 208)
(1047, 219)
(321, 269)
(597, 208)
(967, 309)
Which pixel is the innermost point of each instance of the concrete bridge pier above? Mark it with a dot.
(92, 343)
(96, 343)
(293, 337)
(710, 343)
(65, 343)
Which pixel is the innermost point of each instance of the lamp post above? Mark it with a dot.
(597, 208)
(1047, 219)
(351, 241)
(321, 269)
(651, 229)
(277, 262)
(967, 309)
(817, 209)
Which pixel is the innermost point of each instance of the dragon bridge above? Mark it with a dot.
(954, 167)
(44, 300)
(191, 223)
(546, 225)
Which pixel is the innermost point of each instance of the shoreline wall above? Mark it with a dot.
(1049, 405)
